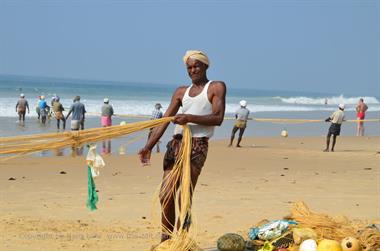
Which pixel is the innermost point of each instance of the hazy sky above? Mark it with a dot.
(309, 45)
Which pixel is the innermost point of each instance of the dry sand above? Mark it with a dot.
(43, 209)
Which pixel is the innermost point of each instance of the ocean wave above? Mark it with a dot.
(335, 100)
(145, 107)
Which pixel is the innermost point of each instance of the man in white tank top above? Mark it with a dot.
(203, 105)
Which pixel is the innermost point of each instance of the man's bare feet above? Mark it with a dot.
(326, 150)
(238, 145)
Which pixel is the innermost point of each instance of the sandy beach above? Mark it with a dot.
(43, 200)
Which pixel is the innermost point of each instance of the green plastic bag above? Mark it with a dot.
(92, 196)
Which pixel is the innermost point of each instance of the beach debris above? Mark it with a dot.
(282, 249)
(12, 178)
(267, 247)
(304, 233)
(95, 162)
(270, 230)
(284, 241)
(122, 150)
(231, 242)
(367, 168)
(333, 234)
(329, 245)
(308, 245)
(350, 244)
(284, 133)
(62, 172)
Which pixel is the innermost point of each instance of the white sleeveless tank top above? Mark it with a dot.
(198, 105)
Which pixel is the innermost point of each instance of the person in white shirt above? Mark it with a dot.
(336, 120)
(241, 116)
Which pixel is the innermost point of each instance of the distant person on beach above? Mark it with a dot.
(44, 109)
(361, 109)
(241, 116)
(58, 112)
(336, 120)
(106, 120)
(156, 114)
(38, 108)
(78, 109)
(21, 106)
(107, 113)
(203, 106)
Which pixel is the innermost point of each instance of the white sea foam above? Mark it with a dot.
(335, 100)
(145, 107)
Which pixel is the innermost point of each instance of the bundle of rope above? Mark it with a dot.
(328, 227)
(11, 147)
(178, 185)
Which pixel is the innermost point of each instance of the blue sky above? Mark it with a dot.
(321, 46)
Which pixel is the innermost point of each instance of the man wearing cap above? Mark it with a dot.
(241, 116)
(78, 109)
(336, 120)
(203, 106)
(44, 109)
(107, 113)
(21, 106)
(156, 114)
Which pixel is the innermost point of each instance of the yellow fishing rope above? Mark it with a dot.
(19, 145)
(177, 185)
(183, 239)
(269, 120)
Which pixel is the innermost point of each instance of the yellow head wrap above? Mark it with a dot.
(198, 55)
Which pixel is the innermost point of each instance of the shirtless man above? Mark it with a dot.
(361, 108)
(203, 105)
